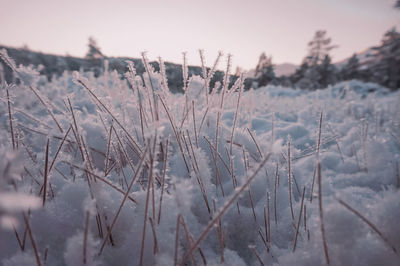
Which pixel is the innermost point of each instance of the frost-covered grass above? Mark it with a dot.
(104, 171)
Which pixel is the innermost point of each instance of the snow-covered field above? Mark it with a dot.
(96, 171)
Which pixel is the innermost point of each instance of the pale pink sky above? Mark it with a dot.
(246, 28)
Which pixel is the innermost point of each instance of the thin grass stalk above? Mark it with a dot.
(194, 126)
(255, 142)
(185, 114)
(163, 75)
(192, 150)
(101, 179)
(337, 143)
(275, 196)
(305, 217)
(269, 218)
(10, 119)
(397, 174)
(223, 209)
(220, 157)
(99, 226)
(155, 248)
(260, 233)
(213, 69)
(266, 239)
(220, 234)
(258, 256)
(124, 176)
(59, 148)
(204, 72)
(190, 240)
(249, 188)
(110, 113)
(217, 180)
(153, 204)
(73, 117)
(181, 221)
(163, 179)
(47, 108)
(150, 179)
(108, 150)
(185, 75)
(236, 113)
(15, 109)
(89, 160)
(220, 110)
(317, 155)
(142, 117)
(133, 181)
(321, 215)
(45, 173)
(290, 180)
(224, 89)
(371, 225)
(78, 142)
(33, 243)
(202, 121)
(298, 222)
(234, 181)
(272, 129)
(196, 171)
(124, 151)
(176, 134)
(21, 246)
(148, 70)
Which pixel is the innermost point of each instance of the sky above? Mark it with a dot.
(166, 28)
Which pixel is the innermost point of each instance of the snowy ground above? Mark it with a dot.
(116, 149)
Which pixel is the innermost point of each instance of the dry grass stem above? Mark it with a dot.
(290, 181)
(299, 221)
(35, 249)
(224, 208)
(371, 225)
(321, 215)
(45, 173)
(134, 178)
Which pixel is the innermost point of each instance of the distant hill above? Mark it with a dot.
(285, 69)
(55, 65)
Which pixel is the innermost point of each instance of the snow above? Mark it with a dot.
(359, 155)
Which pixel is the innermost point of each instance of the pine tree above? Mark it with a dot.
(351, 70)
(299, 73)
(317, 70)
(318, 48)
(311, 79)
(94, 51)
(327, 72)
(387, 57)
(264, 72)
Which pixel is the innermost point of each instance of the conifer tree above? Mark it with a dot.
(264, 72)
(386, 68)
(94, 51)
(351, 70)
(317, 71)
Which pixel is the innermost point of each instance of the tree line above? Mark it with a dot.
(317, 71)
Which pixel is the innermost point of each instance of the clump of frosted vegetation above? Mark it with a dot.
(110, 171)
